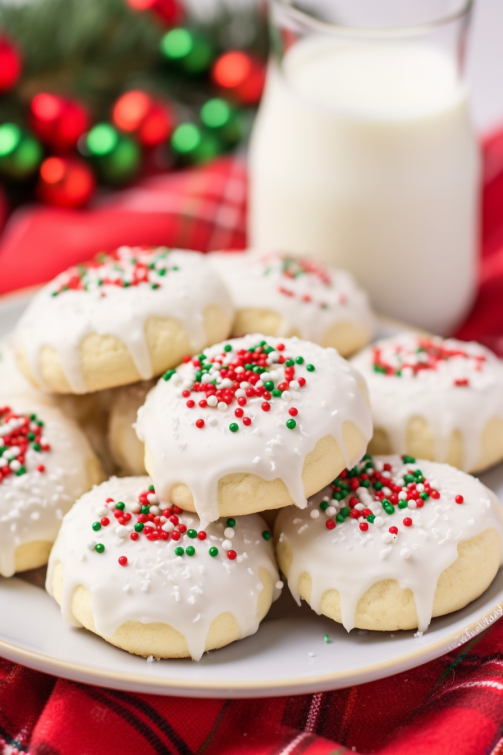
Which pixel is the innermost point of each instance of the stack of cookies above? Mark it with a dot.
(230, 402)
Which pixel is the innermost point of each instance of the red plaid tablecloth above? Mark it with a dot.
(451, 706)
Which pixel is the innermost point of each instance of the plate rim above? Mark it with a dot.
(277, 687)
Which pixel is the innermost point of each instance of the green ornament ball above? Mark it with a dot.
(115, 156)
(20, 153)
(222, 119)
(187, 50)
(193, 145)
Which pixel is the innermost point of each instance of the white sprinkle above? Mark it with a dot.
(127, 588)
(418, 634)
(155, 510)
(222, 406)
(402, 496)
(229, 532)
(294, 385)
(15, 465)
(405, 553)
(152, 498)
(411, 504)
(385, 552)
(213, 401)
(227, 545)
(387, 537)
(168, 526)
(279, 585)
(330, 511)
(314, 514)
(378, 521)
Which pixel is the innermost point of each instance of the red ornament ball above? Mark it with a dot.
(169, 11)
(240, 76)
(58, 122)
(10, 64)
(151, 121)
(65, 182)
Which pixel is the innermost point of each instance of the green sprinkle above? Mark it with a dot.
(310, 367)
(327, 639)
(151, 488)
(402, 504)
(99, 547)
(31, 436)
(168, 375)
(366, 484)
(192, 533)
(233, 427)
(276, 393)
(378, 485)
(21, 471)
(139, 526)
(289, 363)
(190, 550)
(338, 496)
(345, 511)
(299, 360)
(266, 535)
(227, 348)
(248, 366)
(36, 446)
(340, 518)
(371, 518)
(408, 478)
(213, 551)
(386, 502)
(269, 385)
(367, 457)
(198, 376)
(408, 460)
(179, 551)
(424, 496)
(231, 522)
(120, 505)
(324, 505)
(291, 424)
(96, 526)
(145, 509)
(389, 510)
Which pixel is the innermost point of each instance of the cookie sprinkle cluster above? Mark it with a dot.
(235, 376)
(370, 489)
(151, 519)
(18, 433)
(123, 268)
(289, 269)
(423, 354)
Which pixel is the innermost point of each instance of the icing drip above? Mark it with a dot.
(115, 296)
(453, 385)
(43, 459)
(175, 578)
(388, 518)
(250, 406)
(309, 296)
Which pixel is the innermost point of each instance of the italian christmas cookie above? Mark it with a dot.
(391, 543)
(46, 463)
(148, 578)
(435, 399)
(253, 424)
(127, 450)
(122, 318)
(280, 295)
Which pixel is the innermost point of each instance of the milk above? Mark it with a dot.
(363, 155)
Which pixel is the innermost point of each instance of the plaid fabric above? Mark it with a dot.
(451, 706)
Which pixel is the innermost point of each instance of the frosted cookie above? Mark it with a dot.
(12, 380)
(46, 463)
(280, 295)
(127, 450)
(127, 316)
(392, 543)
(149, 579)
(253, 424)
(435, 399)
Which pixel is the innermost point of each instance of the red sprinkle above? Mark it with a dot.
(123, 559)
(231, 555)
(201, 535)
(330, 524)
(134, 536)
(459, 499)
(191, 404)
(407, 521)
(40, 468)
(266, 406)
(393, 530)
(200, 423)
(105, 521)
(435, 494)
(293, 411)
(364, 526)
(246, 421)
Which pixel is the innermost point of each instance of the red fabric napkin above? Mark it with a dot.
(451, 706)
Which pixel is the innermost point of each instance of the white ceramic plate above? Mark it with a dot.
(288, 655)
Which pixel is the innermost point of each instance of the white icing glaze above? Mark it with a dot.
(61, 321)
(183, 453)
(309, 296)
(432, 393)
(32, 505)
(184, 592)
(12, 380)
(350, 560)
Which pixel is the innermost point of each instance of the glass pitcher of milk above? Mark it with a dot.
(363, 152)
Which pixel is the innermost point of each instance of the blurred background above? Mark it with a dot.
(95, 93)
